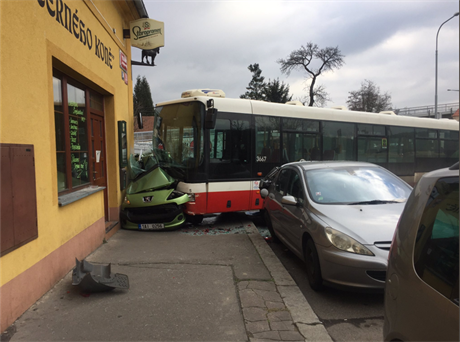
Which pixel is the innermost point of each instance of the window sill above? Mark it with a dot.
(78, 195)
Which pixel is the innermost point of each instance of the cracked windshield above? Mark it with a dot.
(177, 141)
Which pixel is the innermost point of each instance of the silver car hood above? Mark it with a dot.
(365, 223)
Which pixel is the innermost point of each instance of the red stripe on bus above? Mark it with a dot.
(225, 201)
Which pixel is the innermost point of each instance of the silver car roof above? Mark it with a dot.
(311, 165)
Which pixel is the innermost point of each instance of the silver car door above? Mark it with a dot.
(294, 214)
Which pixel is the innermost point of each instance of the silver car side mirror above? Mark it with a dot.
(289, 200)
(263, 193)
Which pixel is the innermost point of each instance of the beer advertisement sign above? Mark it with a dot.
(147, 34)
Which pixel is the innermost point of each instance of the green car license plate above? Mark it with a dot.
(151, 226)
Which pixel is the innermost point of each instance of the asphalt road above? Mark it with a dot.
(347, 315)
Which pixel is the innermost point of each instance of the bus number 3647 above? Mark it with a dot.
(261, 159)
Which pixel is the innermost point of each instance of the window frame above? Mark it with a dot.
(425, 251)
(65, 81)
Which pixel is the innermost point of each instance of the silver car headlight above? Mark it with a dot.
(346, 243)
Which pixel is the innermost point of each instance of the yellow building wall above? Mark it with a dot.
(32, 42)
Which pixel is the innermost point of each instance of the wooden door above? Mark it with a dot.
(98, 155)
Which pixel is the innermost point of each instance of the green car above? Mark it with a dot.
(151, 201)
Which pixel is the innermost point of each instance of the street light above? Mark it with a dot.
(436, 114)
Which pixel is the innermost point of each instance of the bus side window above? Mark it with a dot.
(217, 143)
(218, 138)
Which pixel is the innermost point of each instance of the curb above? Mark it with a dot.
(306, 321)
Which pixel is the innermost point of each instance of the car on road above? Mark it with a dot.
(422, 289)
(338, 216)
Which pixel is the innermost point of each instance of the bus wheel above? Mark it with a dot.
(194, 219)
(270, 227)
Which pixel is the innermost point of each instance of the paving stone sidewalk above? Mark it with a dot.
(276, 310)
(265, 314)
(231, 288)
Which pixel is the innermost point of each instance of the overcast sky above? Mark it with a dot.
(210, 44)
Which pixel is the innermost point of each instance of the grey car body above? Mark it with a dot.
(339, 217)
(422, 289)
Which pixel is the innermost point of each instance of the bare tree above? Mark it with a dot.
(326, 59)
(320, 95)
(368, 98)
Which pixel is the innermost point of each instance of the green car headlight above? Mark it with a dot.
(346, 243)
(175, 194)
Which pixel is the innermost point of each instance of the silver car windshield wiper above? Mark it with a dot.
(376, 202)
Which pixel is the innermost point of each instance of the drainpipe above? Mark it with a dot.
(141, 8)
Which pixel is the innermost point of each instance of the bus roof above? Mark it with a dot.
(246, 106)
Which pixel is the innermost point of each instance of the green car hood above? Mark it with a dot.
(154, 180)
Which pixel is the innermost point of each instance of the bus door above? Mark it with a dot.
(229, 168)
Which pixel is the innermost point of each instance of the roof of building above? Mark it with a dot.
(140, 7)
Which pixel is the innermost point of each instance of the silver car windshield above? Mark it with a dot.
(355, 185)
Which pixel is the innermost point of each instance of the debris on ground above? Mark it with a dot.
(210, 230)
(200, 231)
(97, 278)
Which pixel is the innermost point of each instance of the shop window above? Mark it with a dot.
(72, 128)
(96, 101)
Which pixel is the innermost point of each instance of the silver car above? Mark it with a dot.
(339, 217)
(421, 293)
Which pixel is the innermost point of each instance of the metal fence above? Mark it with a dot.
(446, 110)
(142, 141)
(143, 136)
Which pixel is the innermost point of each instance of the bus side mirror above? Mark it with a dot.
(140, 123)
(159, 120)
(210, 121)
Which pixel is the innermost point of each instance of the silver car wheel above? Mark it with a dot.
(313, 267)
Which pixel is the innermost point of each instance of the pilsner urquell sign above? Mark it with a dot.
(147, 34)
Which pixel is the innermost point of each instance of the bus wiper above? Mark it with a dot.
(375, 202)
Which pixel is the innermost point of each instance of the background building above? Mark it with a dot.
(66, 122)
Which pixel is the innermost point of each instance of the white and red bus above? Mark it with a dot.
(219, 148)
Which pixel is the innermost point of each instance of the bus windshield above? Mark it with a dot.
(178, 137)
